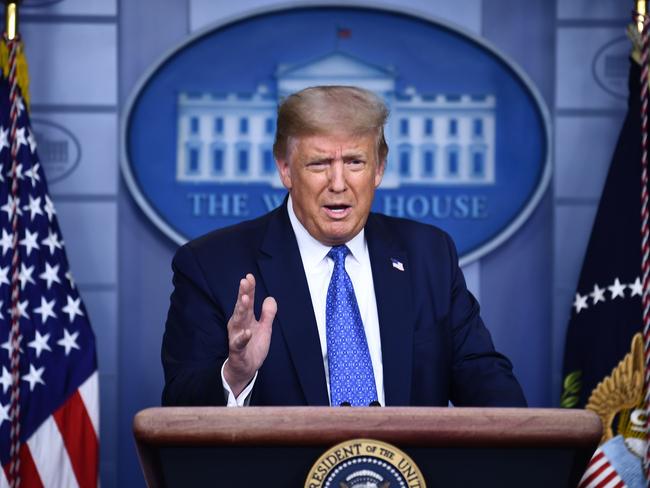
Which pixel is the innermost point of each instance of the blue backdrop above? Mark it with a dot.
(87, 56)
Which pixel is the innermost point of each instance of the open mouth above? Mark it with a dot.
(337, 211)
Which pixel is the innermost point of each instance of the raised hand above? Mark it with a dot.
(248, 338)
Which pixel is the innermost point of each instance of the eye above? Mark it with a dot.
(355, 163)
(317, 165)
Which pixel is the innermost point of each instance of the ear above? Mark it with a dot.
(284, 169)
(379, 174)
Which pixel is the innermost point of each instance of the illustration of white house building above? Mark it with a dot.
(434, 139)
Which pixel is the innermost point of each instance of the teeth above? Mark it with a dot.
(336, 209)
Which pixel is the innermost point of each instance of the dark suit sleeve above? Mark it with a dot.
(195, 343)
(480, 375)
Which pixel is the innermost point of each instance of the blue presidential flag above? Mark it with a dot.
(607, 314)
(606, 309)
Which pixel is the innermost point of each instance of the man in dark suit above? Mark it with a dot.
(354, 308)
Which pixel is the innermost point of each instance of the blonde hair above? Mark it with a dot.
(322, 110)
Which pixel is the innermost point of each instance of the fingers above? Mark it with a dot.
(242, 326)
(243, 313)
(269, 309)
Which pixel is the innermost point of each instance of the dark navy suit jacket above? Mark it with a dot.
(435, 348)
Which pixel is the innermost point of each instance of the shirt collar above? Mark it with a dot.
(313, 251)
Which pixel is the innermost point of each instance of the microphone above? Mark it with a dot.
(374, 403)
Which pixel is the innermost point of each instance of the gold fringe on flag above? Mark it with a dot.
(22, 73)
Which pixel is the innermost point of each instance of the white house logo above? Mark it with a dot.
(468, 136)
(439, 139)
(610, 66)
(58, 148)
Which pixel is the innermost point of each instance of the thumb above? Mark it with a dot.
(269, 309)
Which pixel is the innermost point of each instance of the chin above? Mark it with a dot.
(337, 238)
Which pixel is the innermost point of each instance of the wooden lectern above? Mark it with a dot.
(276, 447)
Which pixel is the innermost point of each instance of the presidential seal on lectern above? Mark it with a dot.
(364, 463)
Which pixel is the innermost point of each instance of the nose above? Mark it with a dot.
(337, 181)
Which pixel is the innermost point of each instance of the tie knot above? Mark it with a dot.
(338, 254)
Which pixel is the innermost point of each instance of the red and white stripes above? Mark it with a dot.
(600, 473)
(64, 450)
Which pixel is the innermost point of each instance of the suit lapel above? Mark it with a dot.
(284, 276)
(394, 305)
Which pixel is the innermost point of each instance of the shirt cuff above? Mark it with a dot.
(244, 398)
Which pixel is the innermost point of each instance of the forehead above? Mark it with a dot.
(333, 145)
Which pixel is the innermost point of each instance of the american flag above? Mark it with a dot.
(58, 386)
(600, 473)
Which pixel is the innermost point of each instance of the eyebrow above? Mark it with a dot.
(324, 156)
(354, 155)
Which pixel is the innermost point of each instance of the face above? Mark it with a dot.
(332, 182)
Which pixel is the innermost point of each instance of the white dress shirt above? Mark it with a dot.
(318, 270)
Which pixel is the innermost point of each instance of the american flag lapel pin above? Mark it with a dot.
(397, 264)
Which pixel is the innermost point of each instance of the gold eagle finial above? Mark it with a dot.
(621, 390)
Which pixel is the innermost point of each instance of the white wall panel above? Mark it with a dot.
(71, 63)
(562, 303)
(590, 9)
(592, 68)
(90, 235)
(583, 150)
(108, 421)
(464, 13)
(472, 274)
(70, 7)
(88, 163)
(102, 311)
(572, 229)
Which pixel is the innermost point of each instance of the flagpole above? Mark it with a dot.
(12, 40)
(642, 27)
(11, 19)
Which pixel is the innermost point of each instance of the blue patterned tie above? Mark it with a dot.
(351, 377)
